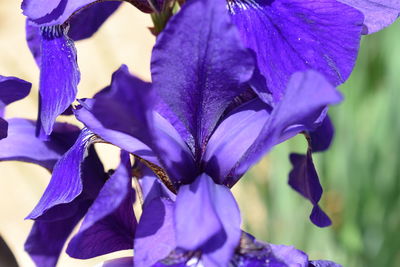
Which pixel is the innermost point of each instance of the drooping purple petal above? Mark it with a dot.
(198, 65)
(22, 144)
(123, 115)
(304, 179)
(295, 35)
(66, 181)
(56, 12)
(156, 226)
(378, 13)
(12, 89)
(207, 218)
(34, 41)
(321, 138)
(85, 23)
(306, 97)
(59, 76)
(52, 229)
(110, 222)
(47, 238)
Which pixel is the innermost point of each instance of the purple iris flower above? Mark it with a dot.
(198, 128)
(11, 90)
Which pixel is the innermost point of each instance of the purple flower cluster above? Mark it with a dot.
(230, 80)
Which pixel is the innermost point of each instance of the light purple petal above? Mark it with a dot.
(233, 137)
(207, 218)
(66, 183)
(156, 226)
(378, 13)
(295, 35)
(110, 222)
(59, 75)
(56, 12)
(198, 65)
(120, 262)
(22, 144)
(307, 95)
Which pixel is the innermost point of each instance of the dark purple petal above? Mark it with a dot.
(59, 76)
(47, 238)
(84, 24)
(306, 97)
(123, 115)
(304, 179)
(207, 218)
(321, 263)
(378, 13)
(66, 183)
(295, 35)
(12, 89)
(3, 128)
(22, 144)
(110, 222)
(198, 65)
(56, 12)
(51, 231)
(321, 138)
(156, 226)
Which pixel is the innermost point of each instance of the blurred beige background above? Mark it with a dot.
(124, 38)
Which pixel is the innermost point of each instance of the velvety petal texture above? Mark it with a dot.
(378, 13)
(110, 223)
(198, 65)
(207, 218)
(59, 75)
(321, 138)
(295, 35)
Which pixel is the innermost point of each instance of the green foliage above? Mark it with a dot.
(360, 173)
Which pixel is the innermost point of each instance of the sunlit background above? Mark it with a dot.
(360, 173)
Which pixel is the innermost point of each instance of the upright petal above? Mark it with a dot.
(66, 181)
(378, 13)
(207, 218)
(295, 35)
(56, 12)
(59, 75)
(22, 144)
(123, 114)
(198, 65)
(304, 179)
(306, 97)
(110, 222)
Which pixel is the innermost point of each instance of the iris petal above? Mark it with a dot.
(295, 35)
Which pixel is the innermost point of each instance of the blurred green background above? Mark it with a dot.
(360, 173)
